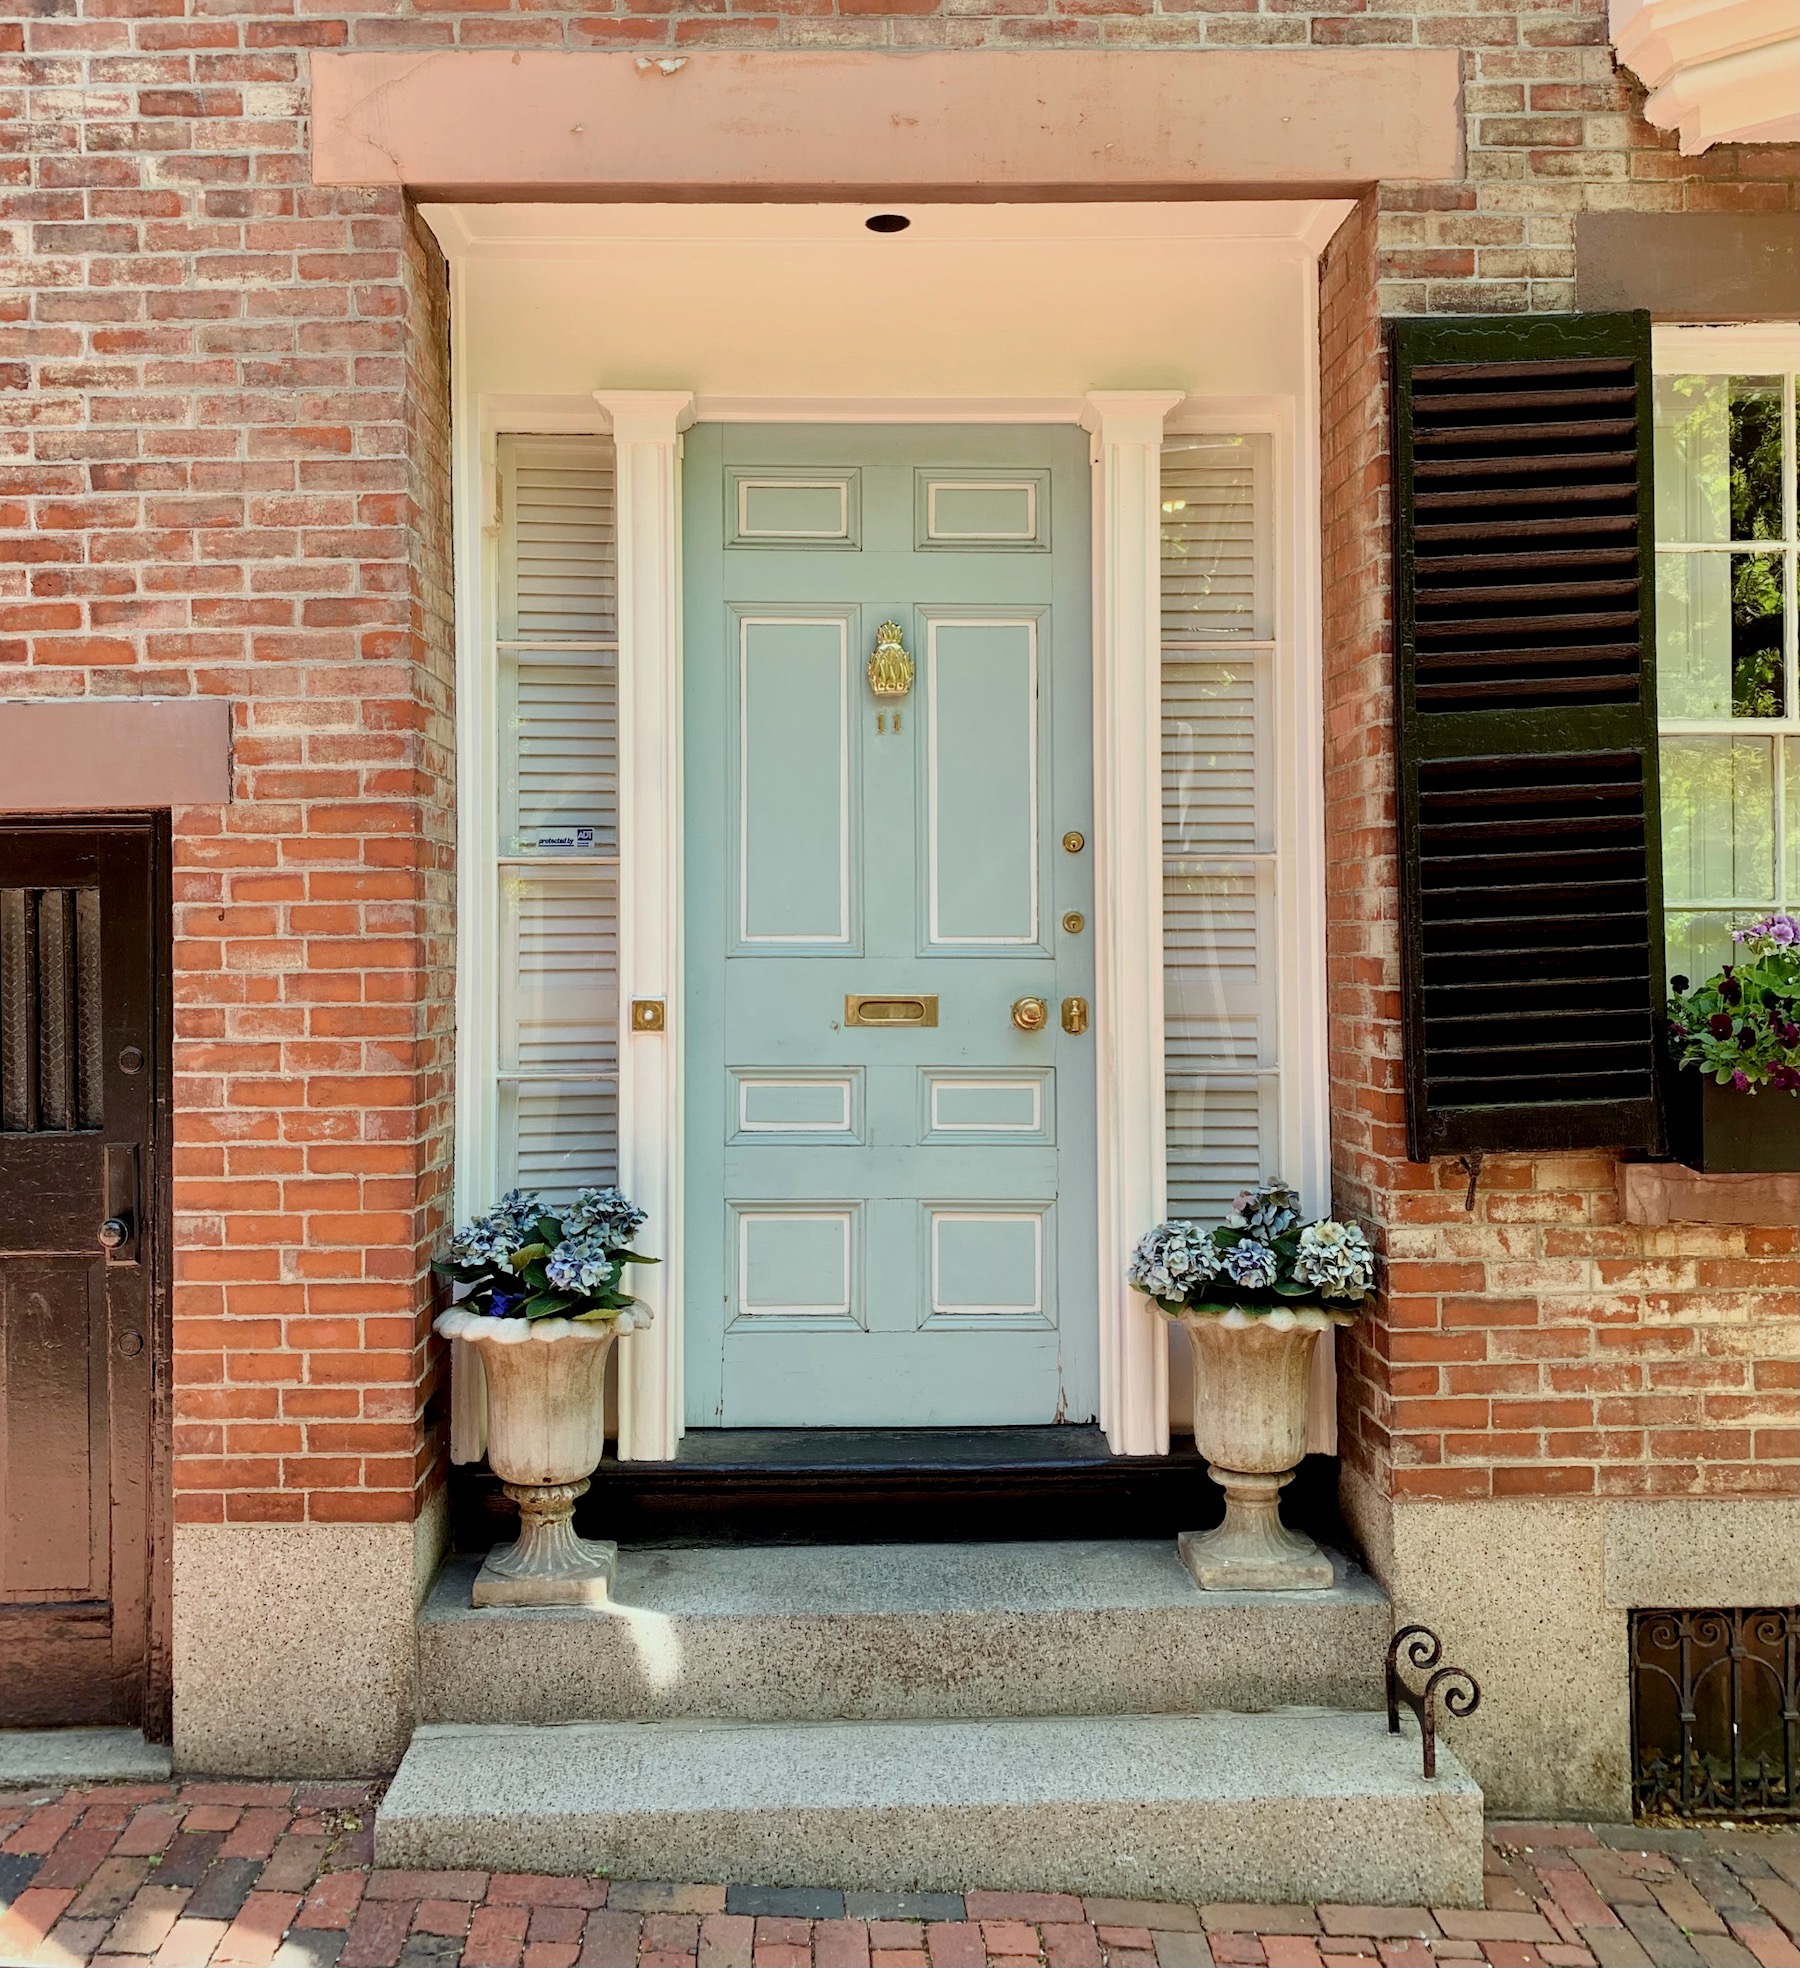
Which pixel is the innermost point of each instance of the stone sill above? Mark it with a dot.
(1665, 1192)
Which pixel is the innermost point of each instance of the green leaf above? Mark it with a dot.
(635, 1257)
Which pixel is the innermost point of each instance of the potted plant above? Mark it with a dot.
(1734, 1096)
(539, 1298)
(1254, 1295)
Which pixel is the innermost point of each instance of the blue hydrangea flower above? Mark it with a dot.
(1266, 1212)
(1336, 1259)
(1251, 1266)
(583, 1262)
(608, 1215)
(1174, 1260)
(493, 1238)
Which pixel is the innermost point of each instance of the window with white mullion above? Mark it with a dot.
(1221, 1000)
(555, 1085)
(1728, 637)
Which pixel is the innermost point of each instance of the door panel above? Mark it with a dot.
(78, 1052)
(890, 1208)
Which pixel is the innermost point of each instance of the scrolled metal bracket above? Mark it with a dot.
(1461, 1691)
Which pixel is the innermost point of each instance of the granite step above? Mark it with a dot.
(895, 1632)
(1294, 1805)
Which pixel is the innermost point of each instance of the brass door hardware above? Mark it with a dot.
(916, 1012)
(1030, 1014)
(649, 1015)
(1074, 922)
(1073, 842)
(1075, 1016)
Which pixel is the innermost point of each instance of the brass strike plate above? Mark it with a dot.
(649, 1015)
(915, 1012)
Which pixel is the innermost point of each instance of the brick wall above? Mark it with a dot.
(1532, 1344)
(226, 474)
(222, 413)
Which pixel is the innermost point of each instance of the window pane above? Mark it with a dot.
(1693, 500)
(1718, 820)
(1222, 1138)
(1756, 457)
(1718, 635)
(1718, 458)
(1758, 667)
(1790, 881)
(560, 985)
(1209, 538)
(1699, 942)
(557, 1139)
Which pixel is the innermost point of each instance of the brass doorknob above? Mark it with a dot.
(1030, 1014)
(1075, 1016)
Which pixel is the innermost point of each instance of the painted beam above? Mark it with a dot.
(972, 124)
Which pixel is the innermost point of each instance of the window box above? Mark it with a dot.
(1720, 1131)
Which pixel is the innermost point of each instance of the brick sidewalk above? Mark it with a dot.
(249, 1875)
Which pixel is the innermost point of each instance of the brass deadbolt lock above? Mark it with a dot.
(1073, 842)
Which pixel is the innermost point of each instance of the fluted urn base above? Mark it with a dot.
(1253, 1550)
(547, 1565)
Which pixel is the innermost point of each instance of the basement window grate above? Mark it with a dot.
(1715, 1712)
(50, 1039)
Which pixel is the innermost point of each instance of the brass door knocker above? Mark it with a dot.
(890, 669)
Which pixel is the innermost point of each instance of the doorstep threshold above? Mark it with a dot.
(892, 1448)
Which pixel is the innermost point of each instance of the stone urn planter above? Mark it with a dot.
(1253, 1296)
(1252, 1383)
(546, 1432)
(541, 1301)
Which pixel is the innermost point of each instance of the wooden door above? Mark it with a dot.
(890, 1203)
(81, 918)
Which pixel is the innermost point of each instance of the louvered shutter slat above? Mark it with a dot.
(1525, 702)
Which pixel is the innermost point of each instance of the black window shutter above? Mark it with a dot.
(1530, 843)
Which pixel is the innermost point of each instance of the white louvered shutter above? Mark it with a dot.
(1220, 1006)
(558, 994)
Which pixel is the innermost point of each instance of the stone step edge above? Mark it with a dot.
(1018, 1804)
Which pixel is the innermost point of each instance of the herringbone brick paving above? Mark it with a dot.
(267, 1875)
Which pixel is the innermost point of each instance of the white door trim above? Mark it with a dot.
(1126, 427)
(646, 428)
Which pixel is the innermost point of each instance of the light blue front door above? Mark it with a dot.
(890, 1184)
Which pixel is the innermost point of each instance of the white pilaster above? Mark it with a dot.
(646, 427)
(1127, 431)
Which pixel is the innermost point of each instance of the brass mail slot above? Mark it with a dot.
(890, 1011)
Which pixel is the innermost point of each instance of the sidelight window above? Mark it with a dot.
(549, 1118)
(1221, 994)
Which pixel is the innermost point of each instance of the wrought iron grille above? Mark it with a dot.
(1715, 1712)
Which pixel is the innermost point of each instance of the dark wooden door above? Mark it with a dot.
(82, 922)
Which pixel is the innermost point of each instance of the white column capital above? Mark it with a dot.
(1128, 416)
(647, 416)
